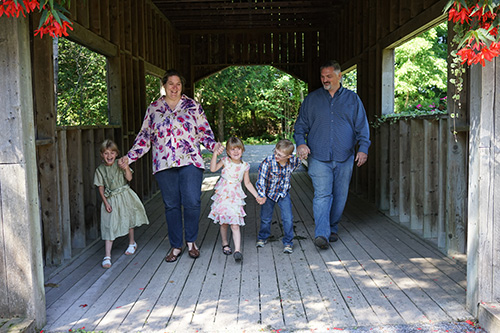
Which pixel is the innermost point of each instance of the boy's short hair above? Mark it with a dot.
(285, 146)
(235, 142)
(109, 144)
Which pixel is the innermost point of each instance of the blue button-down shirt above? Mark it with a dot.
(331, 126)
(273, 180)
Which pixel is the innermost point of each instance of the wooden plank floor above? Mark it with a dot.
(376, 274)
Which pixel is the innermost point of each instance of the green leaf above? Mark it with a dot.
(43, 18)
(55, 14)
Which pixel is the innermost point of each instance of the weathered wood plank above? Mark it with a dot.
(384, 167)
(89, 192)
(63, 186)
(76, 190)
(404, 171)
(431, 179)
(82, 11)
(416, 176)
(95, 16)
(393, 170)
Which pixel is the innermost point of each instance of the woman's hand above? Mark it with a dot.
(219, 148)
(123, 162)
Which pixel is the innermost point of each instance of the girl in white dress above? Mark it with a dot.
(229, 198)
(121, 209)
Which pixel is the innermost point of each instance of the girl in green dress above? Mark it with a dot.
(121, 209)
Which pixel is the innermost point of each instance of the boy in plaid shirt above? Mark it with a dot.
(273, 183)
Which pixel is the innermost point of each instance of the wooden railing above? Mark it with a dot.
(413, 175)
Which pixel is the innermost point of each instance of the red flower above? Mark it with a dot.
(49, 27)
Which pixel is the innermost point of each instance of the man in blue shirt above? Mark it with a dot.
(331, 121)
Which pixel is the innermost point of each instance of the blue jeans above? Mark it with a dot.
(181, 187)
(331, 185)
(266, 215)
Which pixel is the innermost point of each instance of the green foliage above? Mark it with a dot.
(153, 85)
(82, 95)
(421, 72)
(392, 118)
(350, 80)
(256, 101)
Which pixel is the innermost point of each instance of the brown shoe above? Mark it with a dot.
(194, 252)
(171, 257)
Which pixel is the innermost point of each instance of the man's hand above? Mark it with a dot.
(361, 158)
(303, 151)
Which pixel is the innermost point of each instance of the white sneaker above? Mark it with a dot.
(288, 249)
(261, 243)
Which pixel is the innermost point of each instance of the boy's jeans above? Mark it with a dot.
(266, 215)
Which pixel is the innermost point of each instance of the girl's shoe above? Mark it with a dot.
(131, 249)
(226, 249)
(238, 256)
(106, 262)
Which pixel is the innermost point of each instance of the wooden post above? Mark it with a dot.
(21, 265)
(483, 243)
(45, 117)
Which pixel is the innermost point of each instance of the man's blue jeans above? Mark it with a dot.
(266, 215)
(181, 187)
(331, 185)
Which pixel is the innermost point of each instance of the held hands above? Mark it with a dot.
(218, 148)
(303, 151)
(261, 200)
(123, 162)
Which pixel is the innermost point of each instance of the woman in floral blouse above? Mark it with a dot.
(173, 127)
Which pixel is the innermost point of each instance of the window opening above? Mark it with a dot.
(81, 85)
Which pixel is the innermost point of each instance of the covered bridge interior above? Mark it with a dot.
(417, 172)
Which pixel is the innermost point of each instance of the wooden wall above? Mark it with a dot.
(207, 52)
(136, 40)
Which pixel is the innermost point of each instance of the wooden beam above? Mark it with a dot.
(92, 41)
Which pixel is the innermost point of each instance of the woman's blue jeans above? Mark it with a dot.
(266, 215)
(331, 186)
(181, 191)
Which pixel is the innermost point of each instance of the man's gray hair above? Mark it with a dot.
(331, 63)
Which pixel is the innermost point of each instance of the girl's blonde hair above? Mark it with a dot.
(109, 144)
(235, 142)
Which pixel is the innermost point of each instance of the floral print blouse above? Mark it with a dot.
(175, 135)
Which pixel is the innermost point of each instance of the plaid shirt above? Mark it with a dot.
(274, 180)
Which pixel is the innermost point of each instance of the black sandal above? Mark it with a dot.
(227, 251)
